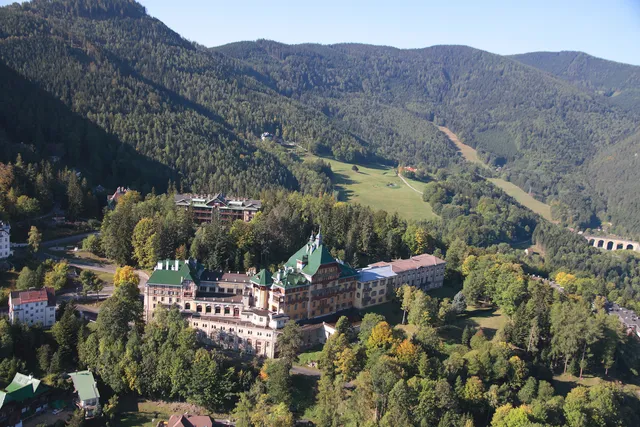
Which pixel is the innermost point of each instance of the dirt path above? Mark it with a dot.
(409, 185)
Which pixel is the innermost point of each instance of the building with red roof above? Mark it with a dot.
(189, 421)
(34, 306)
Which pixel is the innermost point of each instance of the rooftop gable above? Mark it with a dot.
(23, 387)
(167, 274)
(263, 278)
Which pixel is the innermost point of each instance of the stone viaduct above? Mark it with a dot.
(612, 244)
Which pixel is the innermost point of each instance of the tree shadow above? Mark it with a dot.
(303, 389)
(31, 114)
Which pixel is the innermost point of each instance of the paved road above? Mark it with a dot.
(409, 185)
(303, 370)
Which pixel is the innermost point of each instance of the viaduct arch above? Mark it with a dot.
(612, 244)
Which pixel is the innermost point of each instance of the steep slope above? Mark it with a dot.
(615, 174)
(619, 83)
(139, 81)
(542, 129)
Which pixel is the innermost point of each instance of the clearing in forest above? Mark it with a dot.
(525, 199)
(379, 187)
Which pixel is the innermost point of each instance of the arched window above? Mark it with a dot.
(227, 310)
(629, 247)
(217, 309)
(199, 309)
(609, 246)
(207, 309)
(187, 306)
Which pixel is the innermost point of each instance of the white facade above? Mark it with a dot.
(5, 240)
(33, 307)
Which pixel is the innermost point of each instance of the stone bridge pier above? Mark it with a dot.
(612, 244)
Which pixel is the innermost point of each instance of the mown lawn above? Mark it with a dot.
(489, 319)
(380, 188)
(522, 197)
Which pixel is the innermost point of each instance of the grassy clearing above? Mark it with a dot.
(310, 355)
(489, 319)
(380, 188)
(524, 198)
(521, 196)
(469, 153)
(564, 383)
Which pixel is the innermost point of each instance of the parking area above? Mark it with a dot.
(628, 317)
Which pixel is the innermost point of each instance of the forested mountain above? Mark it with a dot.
(542, 129)
(620, 83)
(143, 84)
(199, 112)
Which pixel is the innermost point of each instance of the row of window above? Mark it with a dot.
(224, 328)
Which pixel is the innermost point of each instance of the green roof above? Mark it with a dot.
(171, 277)
(22, 387)
(85, 385)
(318, 256)
(263, 278)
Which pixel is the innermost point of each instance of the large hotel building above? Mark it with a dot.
(244, 312)
(205, 207)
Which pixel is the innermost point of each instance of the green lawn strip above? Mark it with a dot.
(522, 197)
(390, 310)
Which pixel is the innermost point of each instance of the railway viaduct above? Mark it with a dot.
(612, 244)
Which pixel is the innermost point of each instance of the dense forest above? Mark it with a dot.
(131, 91)
(619, 83)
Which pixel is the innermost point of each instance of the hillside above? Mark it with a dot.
(199, 112)
(540, 129)
(143, 84)
(619, 83)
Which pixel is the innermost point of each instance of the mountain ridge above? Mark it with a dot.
(200, 110)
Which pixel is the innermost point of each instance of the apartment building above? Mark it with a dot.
(35, 306)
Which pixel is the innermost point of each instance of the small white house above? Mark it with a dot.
(35, 306)
(88, 395)
(5, 240)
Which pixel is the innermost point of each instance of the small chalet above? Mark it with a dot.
(24, 397)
